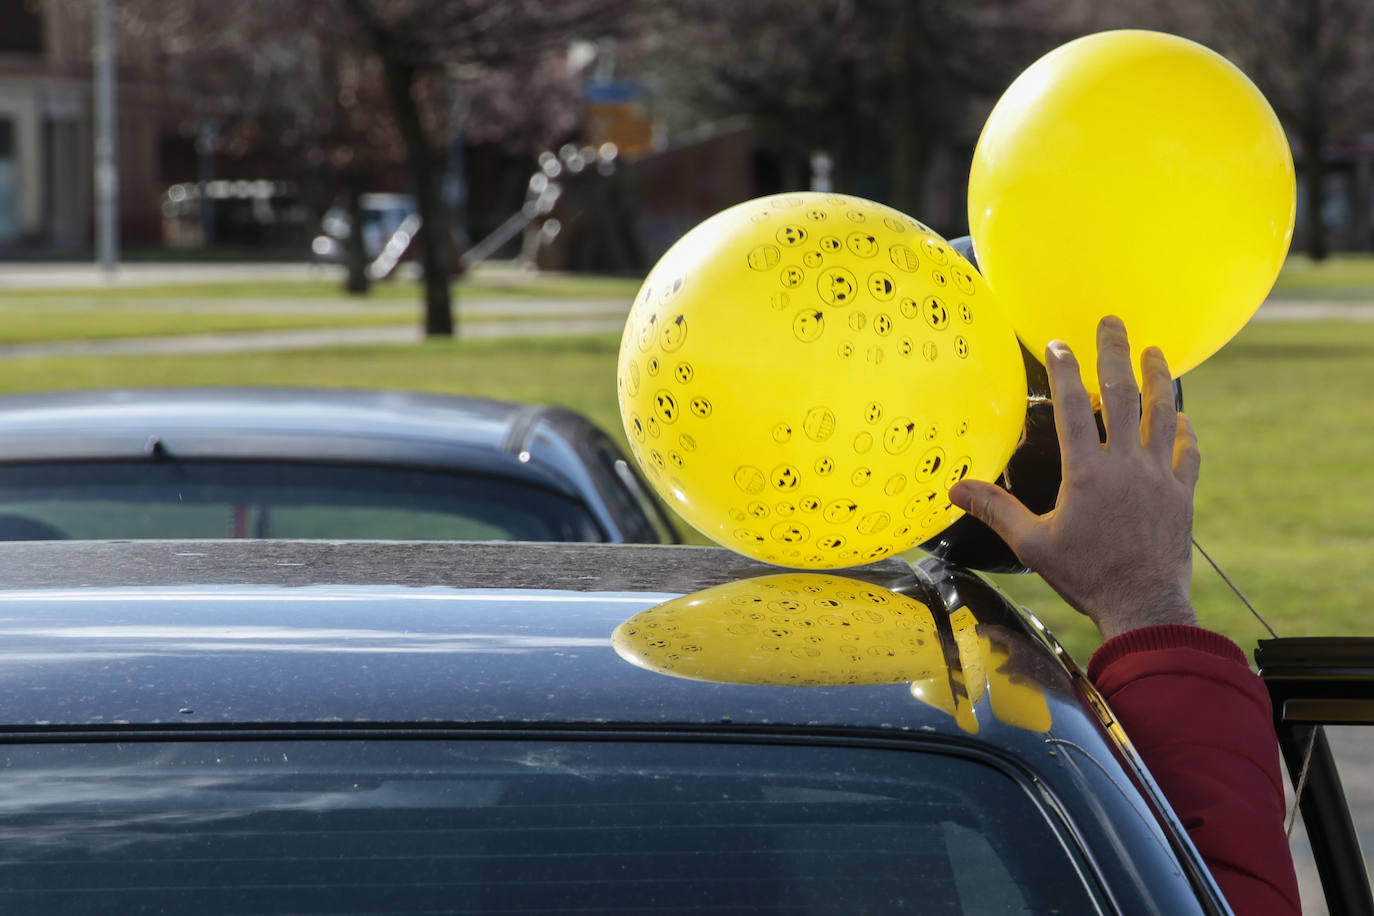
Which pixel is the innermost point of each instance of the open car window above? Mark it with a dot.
(276, 499)
(1323, 695)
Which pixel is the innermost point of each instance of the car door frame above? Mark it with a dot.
(1314, 682)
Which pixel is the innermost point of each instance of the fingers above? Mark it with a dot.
(1073, 410)
(1187, 459)
(997, 509)
(1159, 424)
(1120, 394)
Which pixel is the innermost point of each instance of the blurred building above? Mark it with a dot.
(46, 125)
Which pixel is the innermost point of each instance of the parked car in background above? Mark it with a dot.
(383, 214)
(261, 727)
(307, 463)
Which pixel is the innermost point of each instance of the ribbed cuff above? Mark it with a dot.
(1164, 636)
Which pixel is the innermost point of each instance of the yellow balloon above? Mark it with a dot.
(1132, 173)
(813, 630)
(803, 377)
(797, 629)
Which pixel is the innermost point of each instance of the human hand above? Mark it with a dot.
(1117, 545)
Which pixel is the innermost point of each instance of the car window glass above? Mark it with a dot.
(1352, 750)
(203, 499)
(389, 826)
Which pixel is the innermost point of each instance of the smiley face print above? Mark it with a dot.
(750, 479)
(839, 511)
(674, 333)
(819, 423)
(881, 286)
(935, 251)
(808, 325)
(963, 278)
(958, 469)
(861, 244)
(665, 406)
(648, 332)
(790, 532)
(792, 236)
(764, 257)
(836, 286)
(930, 463)
(899, 435)
(903, 258)
(935, 312)
(873, 523)
(785, 477)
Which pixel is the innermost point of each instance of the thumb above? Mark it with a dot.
(996, 508)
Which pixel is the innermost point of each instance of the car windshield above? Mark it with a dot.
(521, 826)
(273, 499)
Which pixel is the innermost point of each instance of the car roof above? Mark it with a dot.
(289, 631)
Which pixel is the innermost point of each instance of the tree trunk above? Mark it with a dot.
(1313, 139)
(433, 236)
(903, 154)
(356, 280)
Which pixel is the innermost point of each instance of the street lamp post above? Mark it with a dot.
(106, 168)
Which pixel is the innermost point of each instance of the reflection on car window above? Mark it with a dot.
(1352, 749)
(193, 499)
(390, 826)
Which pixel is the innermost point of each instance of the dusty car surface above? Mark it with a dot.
(333, 727)
(312, 463)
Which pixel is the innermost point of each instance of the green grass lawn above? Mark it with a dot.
(28, 316)
(484, 286)
(1285, 422)
(1341, 276)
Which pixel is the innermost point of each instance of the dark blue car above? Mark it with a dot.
(307, 463)
(257, 727)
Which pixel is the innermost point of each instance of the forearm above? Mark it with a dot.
(1201, 721)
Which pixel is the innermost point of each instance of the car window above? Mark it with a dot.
(1352, 750)
(517, 826)
(194, 499)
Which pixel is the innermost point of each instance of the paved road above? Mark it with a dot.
(524, 318)
(262, 341)
(1353, 748)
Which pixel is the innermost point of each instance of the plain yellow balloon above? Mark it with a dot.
(803, 377)
(1132, 173)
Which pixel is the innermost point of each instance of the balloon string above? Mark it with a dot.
(1302, 779)
(1239, 594)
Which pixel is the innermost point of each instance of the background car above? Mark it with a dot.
(277, 462)
(307, 727)
(383, 214)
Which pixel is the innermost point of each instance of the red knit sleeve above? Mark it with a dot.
(1201, 721)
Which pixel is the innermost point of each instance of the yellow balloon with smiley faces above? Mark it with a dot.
(804, 376)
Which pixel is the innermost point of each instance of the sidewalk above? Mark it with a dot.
(307, 339)
(16, 275)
